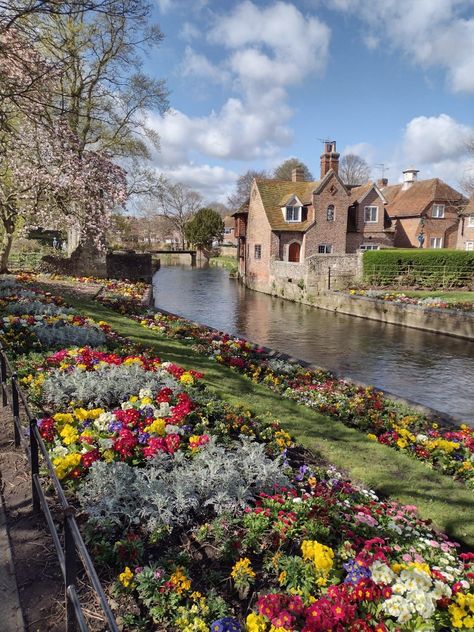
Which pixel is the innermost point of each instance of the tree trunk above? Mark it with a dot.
(7, 242)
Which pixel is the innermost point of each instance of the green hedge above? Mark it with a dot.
(426, 268)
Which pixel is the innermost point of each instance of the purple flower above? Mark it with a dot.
(226, 624)
(115, 426)
(143, 437)
(301, 473)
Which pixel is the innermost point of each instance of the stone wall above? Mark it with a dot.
(129, 265)
(443, 321)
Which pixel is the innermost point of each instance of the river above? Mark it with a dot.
(432, 369)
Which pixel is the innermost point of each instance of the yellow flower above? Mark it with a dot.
(69, 434)
(322, 556)
(63, 418)
(242, 569)
(179, 581)
(372, 437)
(126, 577)
(187, 379)
(282, 578)
(256, 623)
(157, 426)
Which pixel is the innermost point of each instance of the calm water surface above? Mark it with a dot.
(434, 370)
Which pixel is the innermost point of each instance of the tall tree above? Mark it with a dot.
(205, 228)
(243, 186)
(285, 170)
(179, 204)
(354, 170)
(467, 180)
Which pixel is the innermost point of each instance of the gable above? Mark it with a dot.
(275, 194)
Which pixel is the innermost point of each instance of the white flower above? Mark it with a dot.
(144, 392)
(398, 607)
(381, 573)
(59, 451)
(126, 405)
(103, 420)
(441, 590)
(164, 410)
(422, 602)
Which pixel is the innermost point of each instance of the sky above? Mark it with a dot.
(255, 82)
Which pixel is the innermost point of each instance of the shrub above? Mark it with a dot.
(174, 489)
(106, 386)
(64, 335)
(427, 268)
(36, 307)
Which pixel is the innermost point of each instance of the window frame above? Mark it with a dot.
(370, 209)
(470, 221)
(439, 209)
(331, 208)
(469, 246)
(435, 239)
(369, 247)
(295, 209)
(325, 251)
(257, 248)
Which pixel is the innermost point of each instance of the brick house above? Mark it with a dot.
(294, 219)
(423, 212)
(465, 236)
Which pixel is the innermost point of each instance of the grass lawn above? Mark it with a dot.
(444, 294)
(448, 504)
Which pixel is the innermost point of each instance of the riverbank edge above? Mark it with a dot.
(449, 421)
(448, 322)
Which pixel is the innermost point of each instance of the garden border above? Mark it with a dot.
(74, 549)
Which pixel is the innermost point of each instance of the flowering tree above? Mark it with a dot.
(45, 180)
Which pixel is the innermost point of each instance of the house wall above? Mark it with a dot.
(408, 229)
(257, 271)
(285, 239)
(406, 232)
(324, 232)
(368, 232)
(465, 233)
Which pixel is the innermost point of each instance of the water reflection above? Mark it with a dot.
(435, 370)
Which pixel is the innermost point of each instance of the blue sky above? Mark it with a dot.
(255, 82)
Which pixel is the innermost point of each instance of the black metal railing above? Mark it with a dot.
(73, 549)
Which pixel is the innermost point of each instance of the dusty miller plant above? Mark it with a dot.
(64, 335)
(106, 386)
(173, 490)
(36, 307)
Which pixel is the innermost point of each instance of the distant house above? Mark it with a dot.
(292, 220)
(229, 231)
(465, 236)
(424, 213)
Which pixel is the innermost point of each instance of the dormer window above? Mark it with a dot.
(293, 213)
(438, 210)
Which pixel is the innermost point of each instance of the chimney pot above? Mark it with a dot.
(409, 177)
(297, 174)
(383, 182)
(330, 158)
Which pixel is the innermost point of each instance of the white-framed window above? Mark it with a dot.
(258, 251)
(369, 247)
(324, 249)
(370, 214)
(438, 211)
(293, 214)
(470, 221)
(469, 246)
(228, 231)
(436, 242)
(330, 213)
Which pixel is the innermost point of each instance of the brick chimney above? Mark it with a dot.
(382, 183)
(297, 174)
(330, 158)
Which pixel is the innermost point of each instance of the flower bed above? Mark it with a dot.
(203, 519)
(449, 450)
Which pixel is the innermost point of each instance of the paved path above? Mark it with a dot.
(11, 617)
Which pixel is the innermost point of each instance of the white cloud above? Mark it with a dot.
(433, 139)
(363, 150)
(263, 52)
(214, 183)
(164, 5)
(429, 32)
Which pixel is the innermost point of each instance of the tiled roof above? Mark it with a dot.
(358, 193)
(469, 210)
(243, 208)
(275, 193)
(415, 199)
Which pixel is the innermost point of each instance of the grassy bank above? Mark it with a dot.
(450, 297)
(449, 504)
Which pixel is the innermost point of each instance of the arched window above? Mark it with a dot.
(330, 213)
(294, 252)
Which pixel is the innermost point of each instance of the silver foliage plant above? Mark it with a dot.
(63, 335)
(173, 490)
(36, 307)
(107, 386)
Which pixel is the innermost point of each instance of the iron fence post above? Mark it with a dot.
(70, 567)
(3, 372)
(16, 410)
(34, 462)
(329, 277)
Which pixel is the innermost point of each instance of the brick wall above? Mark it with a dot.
(369, 232)
(258, 233)
(324, 231)
(465, 233)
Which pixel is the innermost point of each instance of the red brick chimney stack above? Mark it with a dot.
(330, 158)
(297, 174)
